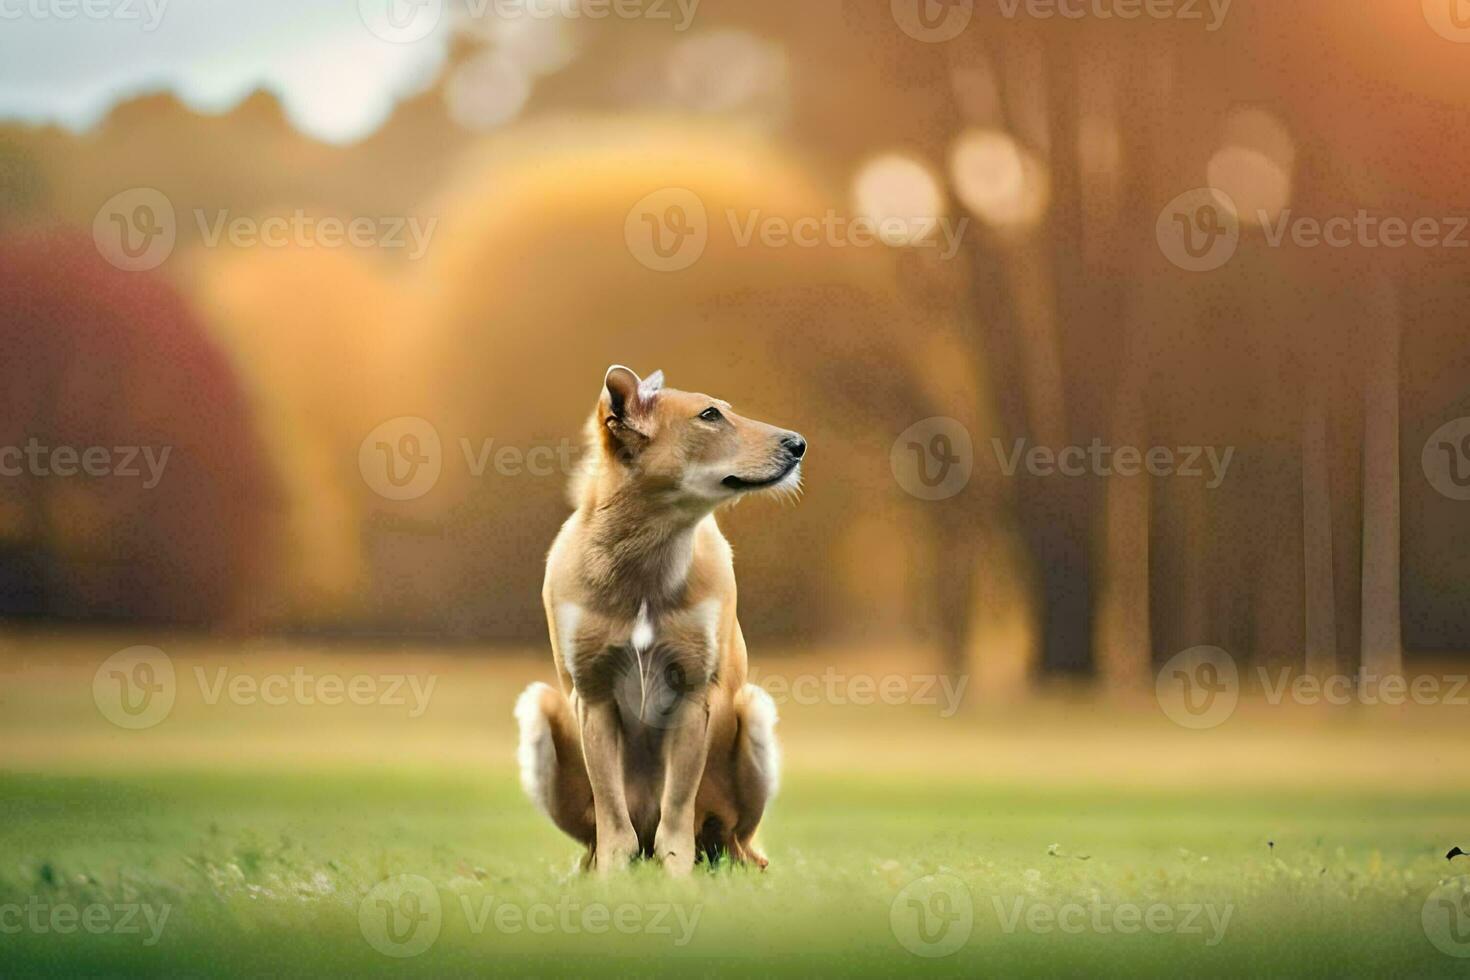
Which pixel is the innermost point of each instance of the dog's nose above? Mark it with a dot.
(794, 444)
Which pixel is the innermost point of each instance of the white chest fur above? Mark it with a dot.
(692, 632)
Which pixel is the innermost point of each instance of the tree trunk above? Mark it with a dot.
(1321, 616)
(1382, 636)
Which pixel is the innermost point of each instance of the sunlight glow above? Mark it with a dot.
(728, 70)
(487, 91)
(1254, 165)
(900, 196)
(998, 179)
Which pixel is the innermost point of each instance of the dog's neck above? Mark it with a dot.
(639, 548)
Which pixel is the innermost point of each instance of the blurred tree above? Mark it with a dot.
(23, 186)
(821, 338)
(111, 360)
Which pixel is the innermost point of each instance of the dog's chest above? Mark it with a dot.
(655, 651)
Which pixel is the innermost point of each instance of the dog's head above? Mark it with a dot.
(689, 448)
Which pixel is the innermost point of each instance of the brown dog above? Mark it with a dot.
(655, 744)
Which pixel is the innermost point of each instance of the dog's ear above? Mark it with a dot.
(625, 405)
(620, 394)
(627, 395)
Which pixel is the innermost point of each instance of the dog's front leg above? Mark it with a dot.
(602, 747)
(685, 750)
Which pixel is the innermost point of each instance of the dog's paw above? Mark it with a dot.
(614, 851)
(676, 853)
(747, 853)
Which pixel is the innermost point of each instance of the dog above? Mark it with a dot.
(655, 745)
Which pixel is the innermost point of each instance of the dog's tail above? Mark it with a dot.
(550, 757)
(536, 753)
(762, 754)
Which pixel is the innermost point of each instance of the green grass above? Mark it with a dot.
(264, 873)
(266, 832)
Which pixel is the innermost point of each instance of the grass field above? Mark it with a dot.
(1037, 839)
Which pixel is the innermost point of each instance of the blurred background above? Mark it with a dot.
(359, 270)
(1129, 338)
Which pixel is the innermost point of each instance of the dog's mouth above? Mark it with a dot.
(741, 483)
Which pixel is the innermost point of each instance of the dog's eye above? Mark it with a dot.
(711, 414)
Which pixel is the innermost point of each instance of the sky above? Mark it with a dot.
(70, 61)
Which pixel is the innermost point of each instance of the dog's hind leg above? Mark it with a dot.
(550, 756)
(757, 770)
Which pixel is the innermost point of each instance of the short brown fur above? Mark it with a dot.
(655, 744)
